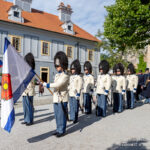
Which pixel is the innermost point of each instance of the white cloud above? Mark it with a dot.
(88, 14)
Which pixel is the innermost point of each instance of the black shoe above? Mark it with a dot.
(76, 121)
(55, 133)
(23, 122)
(70, 120)
(29, 124)
(82, 110)
(87, 113)
(60, 135)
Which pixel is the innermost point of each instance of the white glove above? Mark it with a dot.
(77, 96)
(106, 92)
(45, 84)
(134, 91)
(123, 92)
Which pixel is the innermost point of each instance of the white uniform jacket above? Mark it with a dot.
(88, 83)
(118, 84)
(75, 85)
(132, 82)
(60, 86)
(103, 84)
(30, 90)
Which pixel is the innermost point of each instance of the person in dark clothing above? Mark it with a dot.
(41, 90)
(146, 74)
(140, 86)
(146, 87)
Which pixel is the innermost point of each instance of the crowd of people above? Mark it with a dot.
(79, 90)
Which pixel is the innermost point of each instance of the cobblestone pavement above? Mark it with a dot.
(129, 130)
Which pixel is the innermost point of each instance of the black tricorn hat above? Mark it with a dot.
(104, 65)
(29, 58)
(76, 65)
(61, 59)
(88, 66)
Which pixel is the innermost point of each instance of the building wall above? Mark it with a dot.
(31, 42)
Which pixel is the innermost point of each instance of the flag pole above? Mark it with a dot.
(43, 82)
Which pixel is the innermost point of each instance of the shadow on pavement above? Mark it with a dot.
(40, 137)
(84, 121)
(139, 103)
(49, 118)
(20, 114)
(132, 144)
(42, 115)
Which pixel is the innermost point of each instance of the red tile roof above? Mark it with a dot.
(42, 20)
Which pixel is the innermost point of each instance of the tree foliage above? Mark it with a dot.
(142, 64)
(127, 25)
(109, 54)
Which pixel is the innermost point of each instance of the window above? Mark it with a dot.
(45, 48)
(90, 55)
(16, 14)
(69, 28)
(16, 42)
(44, 74)
(70, 51)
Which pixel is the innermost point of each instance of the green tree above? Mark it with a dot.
(113, 56)
(142, 64)
(127, 25)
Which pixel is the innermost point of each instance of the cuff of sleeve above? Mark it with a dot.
(135, 89)
(78, 94)
(48, 85)
(124, 91)
(106, 91)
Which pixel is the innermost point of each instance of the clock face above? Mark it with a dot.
(6, 93)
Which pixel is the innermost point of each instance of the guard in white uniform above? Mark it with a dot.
(103, 86)
(118, 87)
(60, 96)
(88, 86)
(132, 82)
(74, 88)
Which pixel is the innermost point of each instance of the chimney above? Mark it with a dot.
(64, 12)
(23, 4)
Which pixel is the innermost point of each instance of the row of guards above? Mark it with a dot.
(18, 77)
(81, 91)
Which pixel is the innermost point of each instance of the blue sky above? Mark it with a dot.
(88, 14)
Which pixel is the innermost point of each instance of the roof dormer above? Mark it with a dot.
(68, 27)
(65, 16)
(15, 14)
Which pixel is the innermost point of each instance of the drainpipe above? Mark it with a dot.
(77, 50)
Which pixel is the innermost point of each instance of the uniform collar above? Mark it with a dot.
(87, 74)
(59, 72)
(118, 75)
(74, 74)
